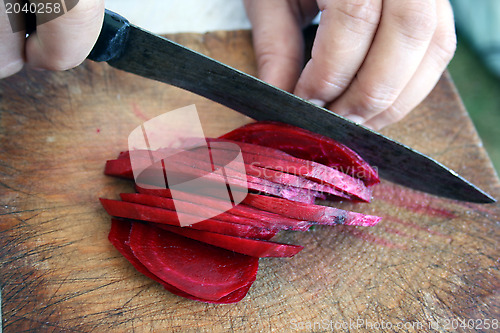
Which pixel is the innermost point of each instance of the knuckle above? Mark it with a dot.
(265, 59)
(333, 82)
(417, 20)
(376, 98)
(395, 114)
(268, 58)
(444, 47)
(359, 15)
(86, 14)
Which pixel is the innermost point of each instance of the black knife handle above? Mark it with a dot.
(112, 39)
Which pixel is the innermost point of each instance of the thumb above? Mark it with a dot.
(66, 41)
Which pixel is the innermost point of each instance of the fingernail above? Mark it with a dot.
(318, 102)
(355, 118)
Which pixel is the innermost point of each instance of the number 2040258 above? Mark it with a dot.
(478, 324)
(34, 8)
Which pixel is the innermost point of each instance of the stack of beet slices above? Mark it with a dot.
(216, 260)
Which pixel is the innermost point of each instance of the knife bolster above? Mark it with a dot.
(112, 39)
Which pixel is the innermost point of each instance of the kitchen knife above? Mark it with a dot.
(132, 49)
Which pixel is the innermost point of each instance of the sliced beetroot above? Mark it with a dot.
(119, 237)
(258, 159)
(223, 153)
(306, 145)
(251, 247)
(122, 168)
(289, 179)
(152, 214)
(119, 168)
(199, 269)
(192, 208)
(314, 213)
(274, 159)
(271, 220)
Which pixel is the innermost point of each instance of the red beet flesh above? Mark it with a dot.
(200, 269)
(119, 236)
(306, 145)
(216, 260)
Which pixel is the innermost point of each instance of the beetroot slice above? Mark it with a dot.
(274, 159)
(266, 180)
(223, 153)
(271, 220)
(268, 158)
(314, 213)
(292, 180)
(199, 269)
(152, 214)
(123, 169)
(119, 237)
(251, 247)
(195, 209)
(306, 145)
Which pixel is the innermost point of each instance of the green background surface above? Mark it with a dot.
(480, 92)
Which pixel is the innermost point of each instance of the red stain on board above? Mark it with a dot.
(376, 240)
(391, 230)
(415, 201)
(138, 112)
(413, 226)
(397, 232)
(368, 237)
(98, 130)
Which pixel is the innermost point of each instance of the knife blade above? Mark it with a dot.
(132, 49)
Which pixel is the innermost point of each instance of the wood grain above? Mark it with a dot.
(429, 262)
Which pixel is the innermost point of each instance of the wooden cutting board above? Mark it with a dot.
(428, 264)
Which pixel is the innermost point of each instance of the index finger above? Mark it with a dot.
(344, 36)
(405, 32)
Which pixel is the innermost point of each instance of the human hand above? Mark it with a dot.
(373, 61)
(60, 44)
